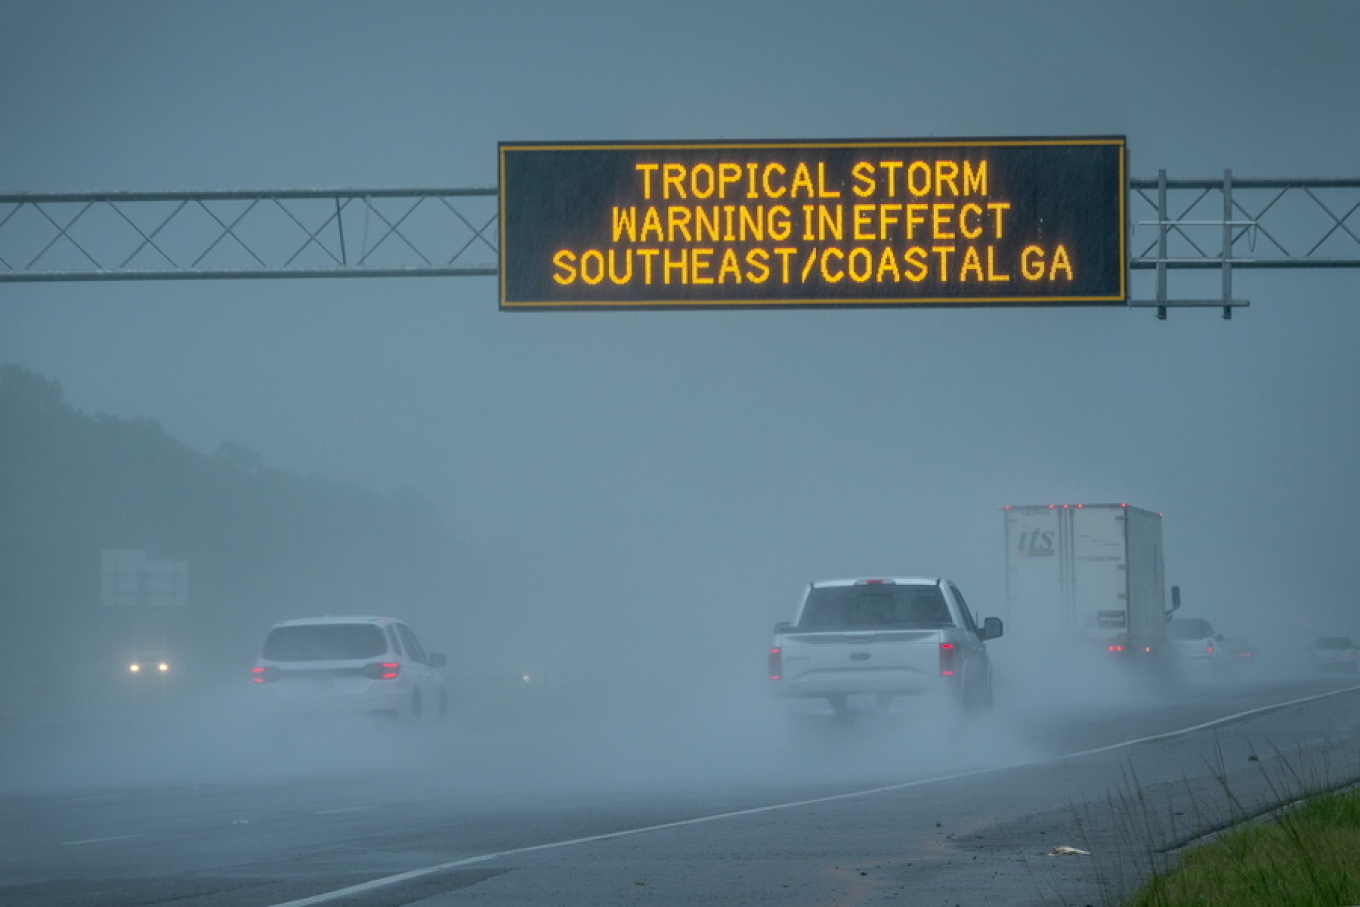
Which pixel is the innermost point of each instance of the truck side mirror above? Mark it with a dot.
(1175, 601)
(991, 628)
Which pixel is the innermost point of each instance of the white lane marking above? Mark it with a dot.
(98, 840)
(1228, 719)
(343, 809)
(375, 884)
(364, 887)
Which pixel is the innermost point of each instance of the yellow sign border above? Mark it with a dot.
(839, 302)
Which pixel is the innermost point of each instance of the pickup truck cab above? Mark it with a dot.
(883, 638)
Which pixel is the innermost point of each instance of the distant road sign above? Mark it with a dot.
(948, 222)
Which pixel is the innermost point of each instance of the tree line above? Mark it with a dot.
(261, 545)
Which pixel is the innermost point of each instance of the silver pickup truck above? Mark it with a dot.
(883, 638)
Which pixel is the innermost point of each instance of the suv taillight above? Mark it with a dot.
(948, 655)
(776, 663)
(263, 675)
(382, 670)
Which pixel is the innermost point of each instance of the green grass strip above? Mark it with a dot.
(1308, 857)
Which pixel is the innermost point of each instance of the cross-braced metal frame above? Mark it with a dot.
(1192, 225)
(309, 233)
(1232, 224)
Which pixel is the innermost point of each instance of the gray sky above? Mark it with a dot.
(694, 469)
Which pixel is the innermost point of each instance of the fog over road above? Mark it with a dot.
(741, 807)
(640, 494)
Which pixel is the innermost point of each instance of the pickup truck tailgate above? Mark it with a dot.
(898, 661)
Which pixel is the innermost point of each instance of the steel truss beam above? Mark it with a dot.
(1232, 224)
(1222, 225)
(297, 233)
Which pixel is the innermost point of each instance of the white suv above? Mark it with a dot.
(350, 664)
(1193, 641)
(1335, 653)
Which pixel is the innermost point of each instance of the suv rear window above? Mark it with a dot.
(1189, 628)
(879, 607)
(324, 642)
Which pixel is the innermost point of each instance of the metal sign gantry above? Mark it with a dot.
(241, 234)
(1223, 224)
(1229, 224)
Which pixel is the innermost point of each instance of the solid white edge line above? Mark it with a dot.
(1227, 719)
(698, 820)
(383, 882)
(98, 840)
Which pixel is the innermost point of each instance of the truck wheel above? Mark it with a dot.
(986, 699)
(977, 696)
(840, 704)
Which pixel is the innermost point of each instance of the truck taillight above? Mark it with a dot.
(948, 655)
(382, 670)
(776, 663)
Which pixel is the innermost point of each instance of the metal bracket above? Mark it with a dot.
(1165, 225)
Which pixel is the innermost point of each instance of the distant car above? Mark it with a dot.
(149, 666)
(1335, 653)
(1193, 641)
(330, 665)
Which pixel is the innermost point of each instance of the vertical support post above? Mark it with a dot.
(1162, 217)
(340, 224)
(1227, 244)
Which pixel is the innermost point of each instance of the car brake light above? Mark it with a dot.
(382, 670)
(776, 663)
(1114, 647)
(948, 653)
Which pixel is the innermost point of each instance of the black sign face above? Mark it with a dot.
(865, 223)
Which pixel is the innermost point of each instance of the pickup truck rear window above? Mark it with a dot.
(874, 608)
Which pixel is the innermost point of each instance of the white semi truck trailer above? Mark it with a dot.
(1088, 576)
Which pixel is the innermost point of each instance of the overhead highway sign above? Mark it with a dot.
(957, 222)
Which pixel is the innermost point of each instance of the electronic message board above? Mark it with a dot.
(960, 222)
